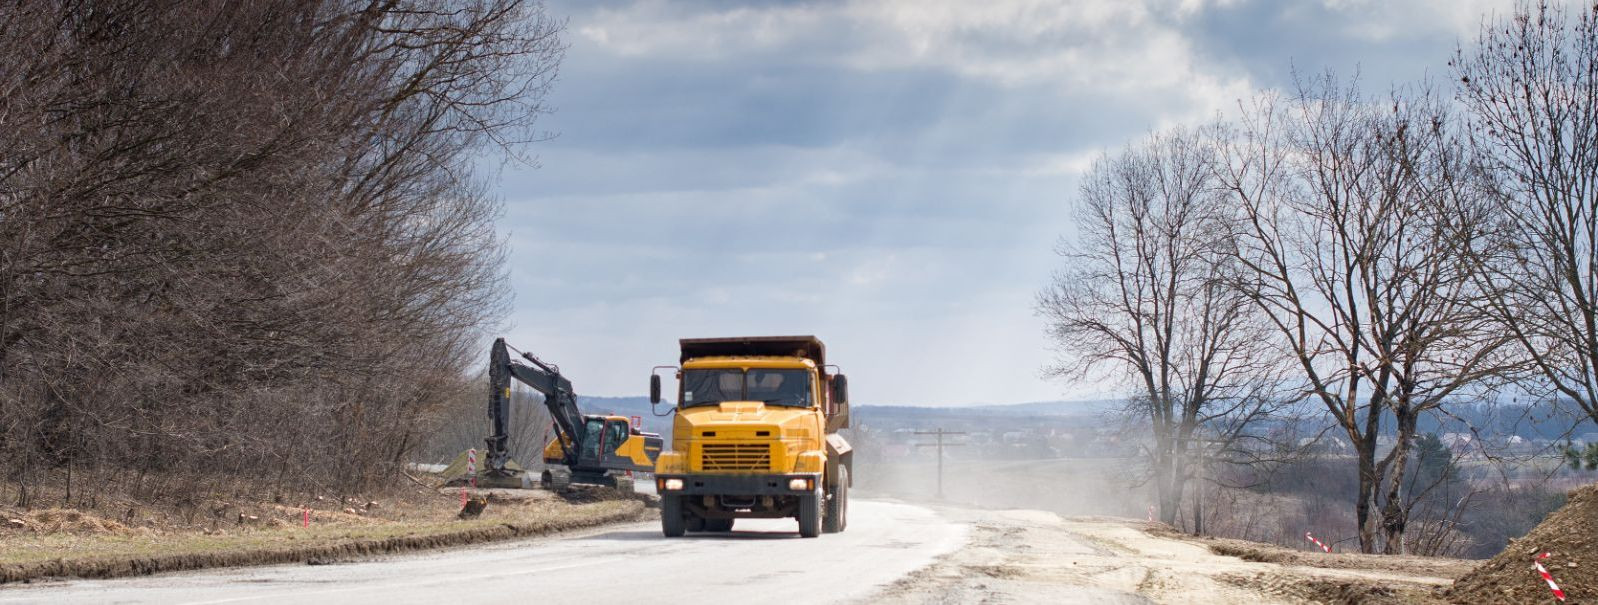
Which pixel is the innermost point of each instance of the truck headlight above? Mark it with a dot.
(799, 485)
(672, 484)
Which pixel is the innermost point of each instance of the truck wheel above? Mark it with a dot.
(810, 514)
(672, 523)
(837, 516)
(718, 525)
(843, 518)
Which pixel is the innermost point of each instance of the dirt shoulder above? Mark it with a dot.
(69, 543)
(1034, 556)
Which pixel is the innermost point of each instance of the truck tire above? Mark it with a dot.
(837, 517)
(810, 514)
(718, 525)
(672, 522)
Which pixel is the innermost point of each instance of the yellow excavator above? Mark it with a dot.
(590, 449)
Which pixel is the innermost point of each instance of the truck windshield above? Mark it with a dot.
(787, 388)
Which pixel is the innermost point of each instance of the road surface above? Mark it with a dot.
(761, 561)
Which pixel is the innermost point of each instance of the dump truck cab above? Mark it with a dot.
(755, 436)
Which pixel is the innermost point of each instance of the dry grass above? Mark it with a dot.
(1443, 567)
(1295, 582)
(63, 543)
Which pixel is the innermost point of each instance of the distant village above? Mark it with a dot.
(1063, 430)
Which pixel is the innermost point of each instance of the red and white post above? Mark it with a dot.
(1548, 577)
(1323, 546)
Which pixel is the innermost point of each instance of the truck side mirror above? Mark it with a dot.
(654, 389)
(839, 414)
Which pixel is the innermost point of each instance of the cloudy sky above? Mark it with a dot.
(892, 176)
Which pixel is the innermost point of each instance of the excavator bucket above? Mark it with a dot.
(458, 473)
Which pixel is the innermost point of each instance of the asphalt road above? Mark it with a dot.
(760, 561)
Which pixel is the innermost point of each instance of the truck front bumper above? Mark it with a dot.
(737, 485)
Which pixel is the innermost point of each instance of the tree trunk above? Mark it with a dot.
(1394, 514)
(1366, 452)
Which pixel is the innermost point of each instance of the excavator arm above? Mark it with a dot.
(542, 377)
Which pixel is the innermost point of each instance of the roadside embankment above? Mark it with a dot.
(69, 543)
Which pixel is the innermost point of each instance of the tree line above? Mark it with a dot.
(249, 239)
(1375, 258)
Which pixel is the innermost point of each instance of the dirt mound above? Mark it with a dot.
(1567, 534)
(59, 520)
(1331, 591)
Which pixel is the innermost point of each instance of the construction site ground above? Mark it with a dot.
(223, 532)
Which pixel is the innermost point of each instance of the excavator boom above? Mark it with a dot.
(540, 376)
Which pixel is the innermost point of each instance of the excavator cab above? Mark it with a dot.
(608, 450)
(612, 432)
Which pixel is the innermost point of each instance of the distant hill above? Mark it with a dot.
(1090, 407)
(1035, 408)
(1501, 418)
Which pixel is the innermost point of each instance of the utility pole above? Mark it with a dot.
(940, 445)
(1203, 446)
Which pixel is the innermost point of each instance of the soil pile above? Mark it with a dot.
(1568, 534)
(57, 520)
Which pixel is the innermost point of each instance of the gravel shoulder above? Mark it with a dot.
(1019, 556)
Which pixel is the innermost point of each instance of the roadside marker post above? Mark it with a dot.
(305, 521)
(1548, 577)
(471, 473)
(1323, 546)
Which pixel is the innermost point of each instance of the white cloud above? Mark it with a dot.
(1119, 47)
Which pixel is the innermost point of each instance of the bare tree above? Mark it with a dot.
(1355, 213)
(1146, 291)
(1530, 85)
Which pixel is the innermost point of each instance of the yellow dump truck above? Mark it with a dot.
(755, 436)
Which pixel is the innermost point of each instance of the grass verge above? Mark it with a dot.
(28, 555)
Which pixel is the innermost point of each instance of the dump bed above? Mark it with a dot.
(808, 347)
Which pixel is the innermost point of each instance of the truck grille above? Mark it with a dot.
(735, 456)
